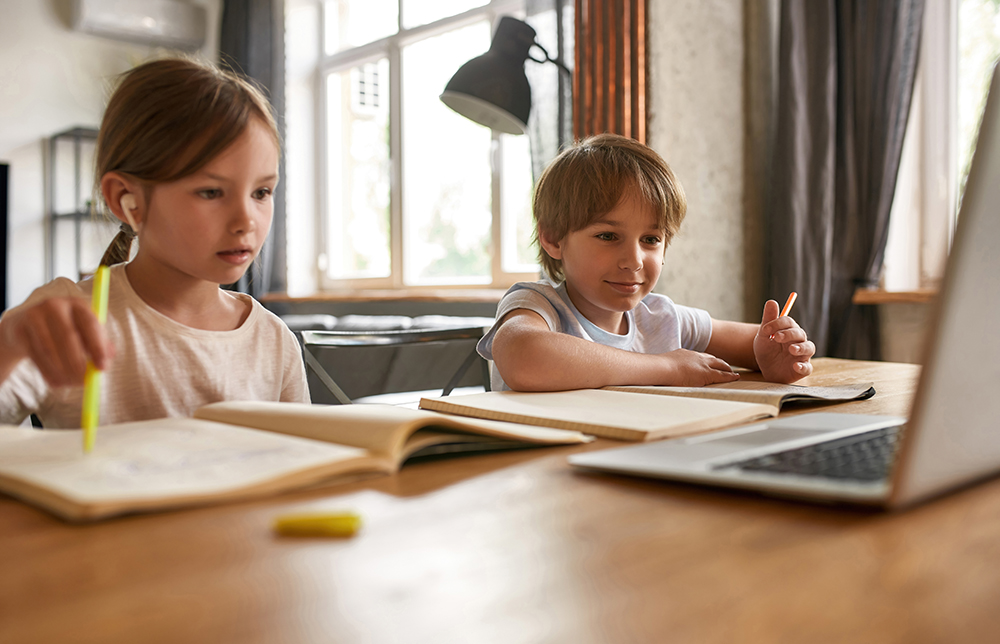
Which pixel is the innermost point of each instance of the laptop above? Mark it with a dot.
(952, 435)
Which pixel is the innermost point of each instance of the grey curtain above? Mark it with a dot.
(845, 80)
(253, 42)
(550, 125)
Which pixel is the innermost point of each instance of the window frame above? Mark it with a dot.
(925, 204)
(390, 47)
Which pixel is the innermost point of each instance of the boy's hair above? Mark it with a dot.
(590, 178)
(167, 119)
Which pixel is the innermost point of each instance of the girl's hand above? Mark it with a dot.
(781, 347)
(59, 335)
(694, 369)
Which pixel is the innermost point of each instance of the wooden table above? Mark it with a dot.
(518, 547)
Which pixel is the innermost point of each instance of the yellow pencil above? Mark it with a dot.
(92, 380)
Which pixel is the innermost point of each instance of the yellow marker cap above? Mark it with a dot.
(318, 524)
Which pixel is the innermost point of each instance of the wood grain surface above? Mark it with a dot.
(518, 547)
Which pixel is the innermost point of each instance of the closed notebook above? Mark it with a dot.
(234, 451)
(620, 415)
(768, 393)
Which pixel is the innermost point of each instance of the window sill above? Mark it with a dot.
(861, 296)
(489, 295)
(880, 296)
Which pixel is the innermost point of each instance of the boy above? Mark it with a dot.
(605, 211)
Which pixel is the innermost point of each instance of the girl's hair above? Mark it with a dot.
(589, 179)
(166, 120)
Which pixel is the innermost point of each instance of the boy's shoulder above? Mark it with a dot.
(553, 293)
(656, 302)
(529, 293)
(543, 287)
(542, 297)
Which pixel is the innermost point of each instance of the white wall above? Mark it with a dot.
(696, 85)
(52, 79)
(302, 52)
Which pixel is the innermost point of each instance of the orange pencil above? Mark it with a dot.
(789, 303)
(787, 308)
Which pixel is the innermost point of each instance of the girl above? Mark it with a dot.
(187, 159)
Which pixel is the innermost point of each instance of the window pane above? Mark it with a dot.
(421, 12)
(358, 172)
(979, 45)
(349, 23)
(446, 167)
(519, 255)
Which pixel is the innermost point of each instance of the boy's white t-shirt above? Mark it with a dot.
(162, 368)
(656, 325)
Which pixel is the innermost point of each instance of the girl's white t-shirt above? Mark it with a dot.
(162, 368)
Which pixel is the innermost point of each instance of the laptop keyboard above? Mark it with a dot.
(862, 457)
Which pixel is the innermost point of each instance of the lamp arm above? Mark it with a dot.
(550, 59)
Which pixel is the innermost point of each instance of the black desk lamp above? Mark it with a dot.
(492, 89)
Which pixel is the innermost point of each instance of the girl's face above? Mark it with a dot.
(209, 226)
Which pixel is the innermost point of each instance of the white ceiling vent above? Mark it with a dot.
(162, 23)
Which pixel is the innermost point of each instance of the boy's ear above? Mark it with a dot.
(552, 248)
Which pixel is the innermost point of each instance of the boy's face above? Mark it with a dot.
(613, 263)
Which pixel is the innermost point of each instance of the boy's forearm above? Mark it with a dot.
(555, 362)
(733, 342)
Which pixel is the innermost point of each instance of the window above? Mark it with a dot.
(407, 192)
(978, 48)
(960, 43)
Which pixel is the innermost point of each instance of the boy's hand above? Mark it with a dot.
(694, 369)
(781, 347)
(59, 335)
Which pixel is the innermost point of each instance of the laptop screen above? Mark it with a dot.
(954, 431)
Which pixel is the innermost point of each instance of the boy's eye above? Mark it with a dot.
(605, 236)
(652, 240)
(262, 193)
(210, 193)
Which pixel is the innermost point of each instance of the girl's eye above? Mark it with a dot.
(262, 193)
(651, 240)
(210, 193)
(605, 236)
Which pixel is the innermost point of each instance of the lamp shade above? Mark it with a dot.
(492, 89)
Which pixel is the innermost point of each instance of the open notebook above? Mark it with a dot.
(766, 393)
(234, 451)
(642, 413)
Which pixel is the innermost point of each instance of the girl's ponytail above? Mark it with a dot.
(120, 248)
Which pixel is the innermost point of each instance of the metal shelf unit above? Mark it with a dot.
(77, 136)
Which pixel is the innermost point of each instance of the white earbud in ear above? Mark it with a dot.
(128, 205)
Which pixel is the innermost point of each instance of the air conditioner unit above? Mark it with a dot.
(162, 23)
